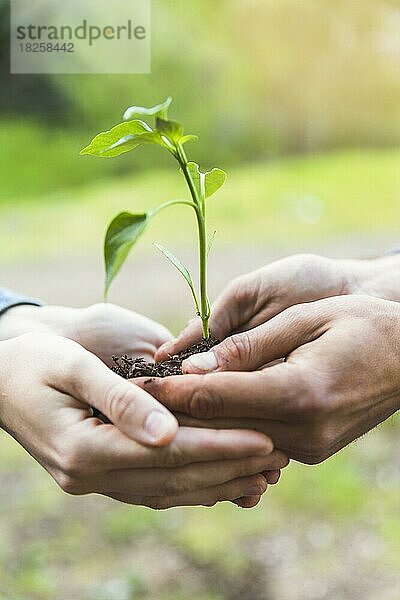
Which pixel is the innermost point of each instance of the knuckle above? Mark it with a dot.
(310, 403)
(73, 486)
(320, 446)
(119, 400)
(70, 466)
(279, 460)
(298, 312)
(204, 405)
(73, 365)
(237, 347)
(174, 456)
(243, 288)
(259, 484)
(305, 258)
(98, 309)
(305, 408)
(235, 289)
(73, 462)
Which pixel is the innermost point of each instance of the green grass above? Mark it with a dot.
(309, 198)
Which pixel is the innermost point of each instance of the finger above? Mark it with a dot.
(228, 313)
(296, 438)
(108, 448)
(253, 349)
(254, 485)
(247, 501)
(189, 336)
(131, 409)
(268, 394)
(189, 478)
(272, 477)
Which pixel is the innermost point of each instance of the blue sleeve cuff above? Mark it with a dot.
(8, 299)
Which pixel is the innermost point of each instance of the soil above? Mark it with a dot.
(129, 367)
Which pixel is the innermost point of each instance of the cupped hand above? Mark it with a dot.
(339, 379)
(104, 329)
(47, 386)
(252, 299)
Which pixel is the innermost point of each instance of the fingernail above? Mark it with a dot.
(158, 425)
(163, 349)
(205, 362)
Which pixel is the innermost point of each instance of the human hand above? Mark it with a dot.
(340, 377)
(47, 387)
(254, 298)
(104, 329)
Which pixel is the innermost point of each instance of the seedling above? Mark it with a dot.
(126, 228)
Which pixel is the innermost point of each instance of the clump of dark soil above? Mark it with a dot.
(129, 367)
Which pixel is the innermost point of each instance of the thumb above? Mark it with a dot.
(226, 317)
(135, 412)
(253, 349)
(189, 336)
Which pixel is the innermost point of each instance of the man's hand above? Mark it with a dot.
(252, 299)
(340, 378)
(47, 386)
(103, 329)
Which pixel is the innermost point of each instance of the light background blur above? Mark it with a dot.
(299, 100)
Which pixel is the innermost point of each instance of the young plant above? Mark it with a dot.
(125, 229)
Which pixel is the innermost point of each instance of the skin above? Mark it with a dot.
(103, 329)
(340, 377)
(336, 372)
(254, 298)
(143, 457)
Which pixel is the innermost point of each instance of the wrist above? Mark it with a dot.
(18, 320)
(25, 318)
(378, 277)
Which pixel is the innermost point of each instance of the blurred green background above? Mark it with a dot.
(300, 102)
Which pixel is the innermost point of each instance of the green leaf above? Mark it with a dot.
(206, 183)
(181, 268)
(121, 138)
(189, 138)
(214, 180)
(160, 110)
(153, 137)
(172, 129)
(122, 233)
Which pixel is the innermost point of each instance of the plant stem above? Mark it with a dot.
(205, 312)
(171, 203)
(201, 226)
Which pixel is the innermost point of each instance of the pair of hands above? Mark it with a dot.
(337, 353)
(340, 378)
(52, 371)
